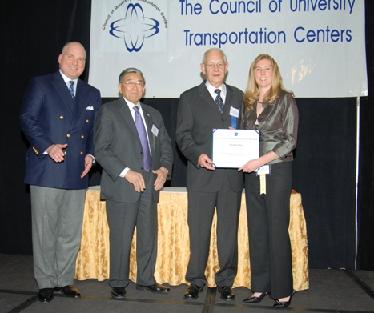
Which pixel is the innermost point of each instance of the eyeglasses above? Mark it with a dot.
(216, 65)
(131, 83)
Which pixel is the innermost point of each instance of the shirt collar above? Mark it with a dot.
(67, 79)
(131, 105)
(212, 89)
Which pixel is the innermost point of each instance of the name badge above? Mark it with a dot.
(263, 170)
(234, 112)
(154, 130)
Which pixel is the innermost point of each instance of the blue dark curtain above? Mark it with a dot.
(32, 34)
(365, 253)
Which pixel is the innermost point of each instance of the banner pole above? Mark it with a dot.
(358, 120)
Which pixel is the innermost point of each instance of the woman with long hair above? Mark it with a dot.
(271, 110)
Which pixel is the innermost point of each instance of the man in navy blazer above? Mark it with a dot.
(57, 118)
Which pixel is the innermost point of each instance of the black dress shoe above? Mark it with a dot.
(45, 295)
(57, 290)
(70, 291)
(154, 288)
(226, 293)
(254, 299)
(193, 291)
(118, 293)
(281, 305)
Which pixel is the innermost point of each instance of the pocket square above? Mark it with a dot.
(89, 108)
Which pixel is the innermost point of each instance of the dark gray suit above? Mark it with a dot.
(198, 115)
(117, 146)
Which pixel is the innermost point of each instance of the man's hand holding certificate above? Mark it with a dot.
(233, 148)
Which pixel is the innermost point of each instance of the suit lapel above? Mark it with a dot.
(80, 95)
(79, 103)
(126, 115)
(228, 100)
(63, 92)
(148, 120)
(206, 97)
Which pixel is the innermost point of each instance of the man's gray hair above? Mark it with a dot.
(70, 43)
(130, 70)
(217, 50)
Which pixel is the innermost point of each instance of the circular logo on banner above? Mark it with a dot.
(136, 22)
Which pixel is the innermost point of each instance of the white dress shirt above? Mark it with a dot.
(131, 106)
(212, 89)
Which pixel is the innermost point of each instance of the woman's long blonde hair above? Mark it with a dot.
(252, 91)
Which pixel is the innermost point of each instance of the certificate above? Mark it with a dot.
(233, 148)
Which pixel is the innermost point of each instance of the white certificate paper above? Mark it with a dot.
(233, 148)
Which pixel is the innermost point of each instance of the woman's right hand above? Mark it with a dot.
(250, 166)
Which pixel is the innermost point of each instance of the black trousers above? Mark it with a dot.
(201, 207)
(268, 218)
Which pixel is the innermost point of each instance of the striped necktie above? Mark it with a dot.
(218, 100)
(71, 88)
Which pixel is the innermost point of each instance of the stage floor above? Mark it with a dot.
(330, 291)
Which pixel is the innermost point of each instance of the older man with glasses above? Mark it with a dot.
(211, 105)
(133, 147)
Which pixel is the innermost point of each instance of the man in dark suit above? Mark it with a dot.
(133, 147)
(57, 118)
(211, 105)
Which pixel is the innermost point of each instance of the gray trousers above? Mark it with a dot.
(56, 234)
(122, 219)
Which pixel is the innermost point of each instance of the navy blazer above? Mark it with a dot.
(49, 116)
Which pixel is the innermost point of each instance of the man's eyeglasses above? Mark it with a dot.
(216, 65)
(139, 83)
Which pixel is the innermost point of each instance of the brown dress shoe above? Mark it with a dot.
(154, 288)
(71, 291)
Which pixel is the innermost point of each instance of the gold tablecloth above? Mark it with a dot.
(173, 242)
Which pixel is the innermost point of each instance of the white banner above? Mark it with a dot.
(318, 44)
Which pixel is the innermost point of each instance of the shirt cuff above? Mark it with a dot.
(124, 172)
(93, 158)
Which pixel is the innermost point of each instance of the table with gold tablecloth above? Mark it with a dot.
(173, 242)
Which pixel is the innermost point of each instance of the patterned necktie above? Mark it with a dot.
(139, 124)
(71, 88)
(218, 100)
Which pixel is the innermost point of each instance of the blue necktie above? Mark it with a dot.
(139, 124)
(71, 88)
(218, 100)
